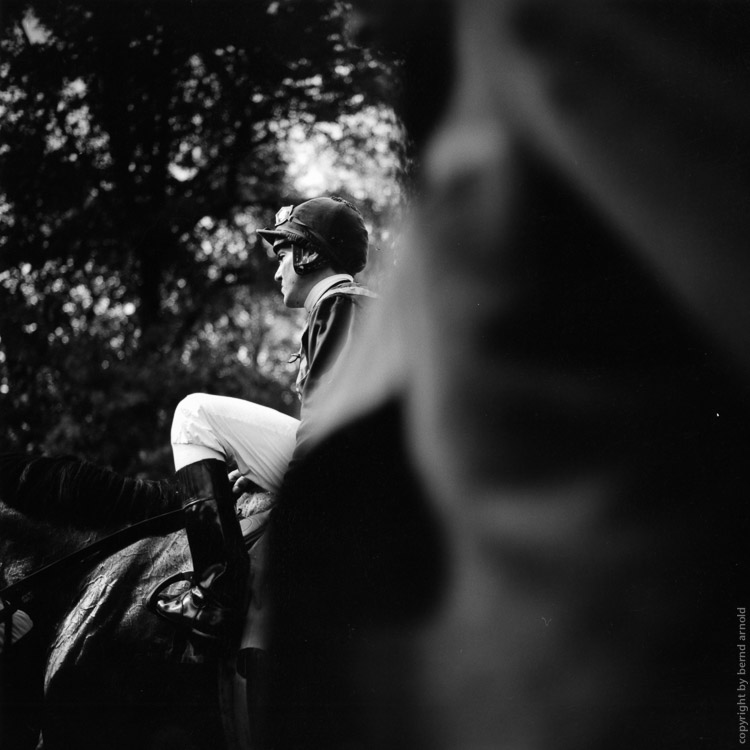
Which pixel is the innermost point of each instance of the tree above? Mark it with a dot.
(143, 143)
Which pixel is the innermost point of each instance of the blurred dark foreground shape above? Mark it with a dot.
(525, 525)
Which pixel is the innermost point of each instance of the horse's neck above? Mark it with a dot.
(65, 490)
(27, 544)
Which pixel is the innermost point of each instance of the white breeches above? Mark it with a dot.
(258, 439)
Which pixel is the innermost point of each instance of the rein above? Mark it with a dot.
(160, 525)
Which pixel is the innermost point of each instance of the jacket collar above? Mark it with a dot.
(314, 295)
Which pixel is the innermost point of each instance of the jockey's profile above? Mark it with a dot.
(320, 245)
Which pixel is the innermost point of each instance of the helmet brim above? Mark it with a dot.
(287, 233)
(269, 235)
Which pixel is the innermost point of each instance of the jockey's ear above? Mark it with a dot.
(307, 258)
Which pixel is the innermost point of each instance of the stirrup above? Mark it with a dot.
(155, 595)
(186, 626)
(196, 626)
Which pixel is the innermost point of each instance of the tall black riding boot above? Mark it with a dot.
(214, 605)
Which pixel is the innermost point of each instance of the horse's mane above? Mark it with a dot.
(77, 492)
(27, 544)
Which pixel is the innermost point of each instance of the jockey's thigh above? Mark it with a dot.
(259, 439)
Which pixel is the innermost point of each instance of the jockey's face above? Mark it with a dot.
(288, 278)
(294, 288)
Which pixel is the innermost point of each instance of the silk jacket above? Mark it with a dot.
(333, 325)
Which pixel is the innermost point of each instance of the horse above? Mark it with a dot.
(98, 669)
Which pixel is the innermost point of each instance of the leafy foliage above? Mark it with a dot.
(142, 144)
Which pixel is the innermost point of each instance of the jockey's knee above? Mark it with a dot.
(194, 437)
(192, 403)
(193, 408)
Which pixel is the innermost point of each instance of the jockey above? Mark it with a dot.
(320, 245)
